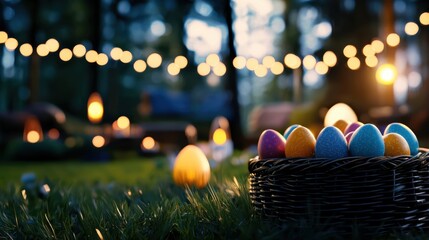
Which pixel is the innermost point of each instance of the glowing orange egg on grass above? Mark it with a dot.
(95, 108)
(191, 167)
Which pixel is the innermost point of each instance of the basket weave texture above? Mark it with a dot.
(379, 192)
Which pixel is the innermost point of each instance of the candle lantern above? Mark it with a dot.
(220, 141)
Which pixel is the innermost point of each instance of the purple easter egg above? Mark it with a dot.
(271, 144)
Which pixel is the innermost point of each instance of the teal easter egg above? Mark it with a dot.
(367, 141)
(331, 144)
(289, 130)
(405, 132)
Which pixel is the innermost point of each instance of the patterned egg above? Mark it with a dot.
(405, 132)
(271, 144)
(331, 144)
(300, 143)
(395, 145)
(289, 130)
(341, 124)
(352, 127)
(367, 141)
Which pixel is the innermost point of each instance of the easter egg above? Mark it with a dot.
(300, 143)
(289, 130)
(367, 141)
(331, 144)
(405, 132)
(271, 144)
(395, 145)
(352, 127)
(349, 136)
(341, 124)
(191, 167)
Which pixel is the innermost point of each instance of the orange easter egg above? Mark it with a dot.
(341, 124)
(395, 145)
(300, 143)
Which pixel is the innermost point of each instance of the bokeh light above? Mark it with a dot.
(139, 66)
(309, 62)
(424, 18)
(98, 141)
(321, 68)
(386, 74)
(116, 53)
(349, 51)
(411, 28)
(219, 136)
(11, 44)
(79, 50)
(252, 63)
(52, 44)
(368, 50)
(212, 59)
(91, 56)
(340, 111)
(371, 61)
(353, 63)
(154, 60)
(66, 54)
(277, 68)
(3, 37)
(173, 69)
(26, 49)
(33, 136)
(239, 62)
(123, 122)
(42, 50)
(102, 59)
(393, 39)
(203, 69)
(377, 46)
(126, 57)
(181, 61)
(329, 58)
(261, 71)
(148, 143)
(220, 69)
(292, 61)
(268, 61)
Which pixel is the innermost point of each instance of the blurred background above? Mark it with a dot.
(170, 66)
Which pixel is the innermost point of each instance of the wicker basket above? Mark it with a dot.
(384, 193)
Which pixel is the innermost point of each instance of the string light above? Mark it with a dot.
(42, 50)
(349, 51)
(154, 60)
(424, 18)
(91, 56)
(292, 61)
(239, 62)
(26, 49)
(252, 63)
(321, 68)
(126, 57)
(116, 53)
(377, 46)
(181, 61)
(411, 28)
(11, 44)
(102, 59)
(261, 71)
(277, 68)
(52, 44)
(268, 61)
(66, 54)
(212, 59)
(353, 63)
(173, 69)
(329, 58)
(203, 69)
(139, 66)
(79, 50)
(220, 69)
(371, 61)
(3, 37)
(393, 39)
(309, 62)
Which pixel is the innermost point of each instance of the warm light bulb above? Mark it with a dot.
(102, 59)
(79, 50)
(3, 37)
(239, 62)
(212, 59)
(123, 122)
(148, 143)
(268, 61)
(292, 61)
(393, 39)
(277, 68)
(26, 49)
(173, 69)
(368, 50)
(329, 58)
(154, 60)
(98, 141)
(52, 44)
(126, 57)
(11, 44)
(261, 71)
(371, 61)
(33, 136)
(377, 46)
(139, 66)
(42, 50)
(181, 61)
(321, 68)
(386, 74)
(309, 62)
(353, 63)
(95, 108)
(203, 69)
(66, 54)
(220, 69)
(252, 63)
(91, 56)
(424, 18)
(116, 53)
(350, 51)
(411, 28)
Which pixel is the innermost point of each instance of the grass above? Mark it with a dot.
(135, 198)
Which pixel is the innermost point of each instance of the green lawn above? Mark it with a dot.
(134, 198)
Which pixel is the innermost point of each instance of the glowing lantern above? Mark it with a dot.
(32, 130)
(220, 139)
(95, 108)
(340, 111)
(191, 167)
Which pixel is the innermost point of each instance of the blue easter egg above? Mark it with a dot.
(289, 130)
(405, 132)
(367, 141)
(331, 144)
